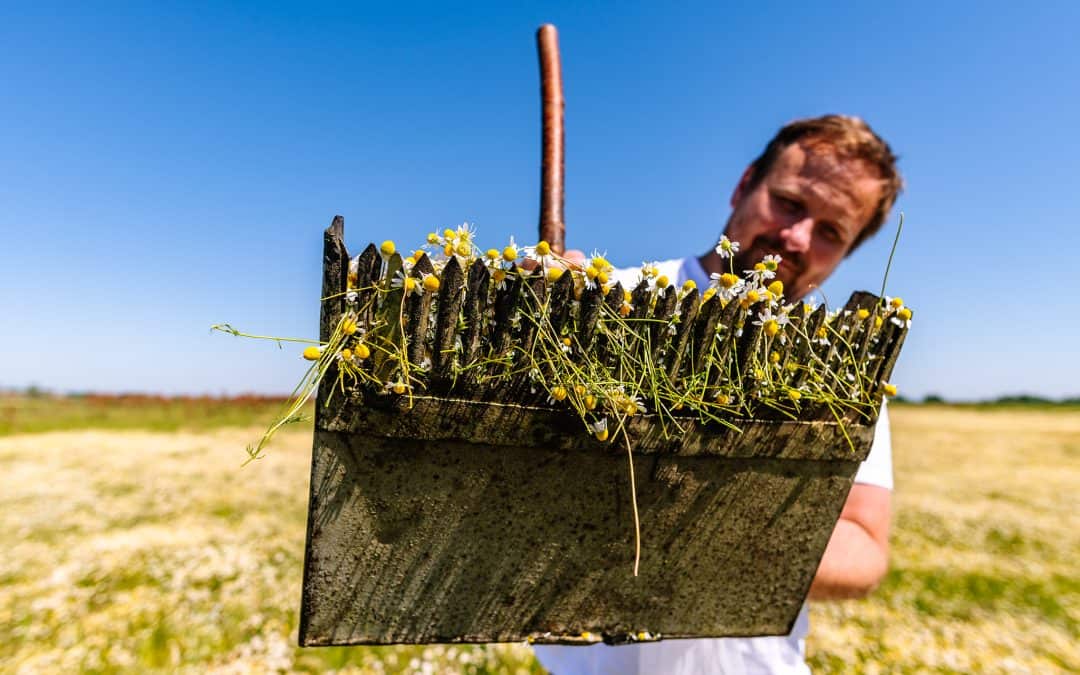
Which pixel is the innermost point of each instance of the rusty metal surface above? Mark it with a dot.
(414, 541)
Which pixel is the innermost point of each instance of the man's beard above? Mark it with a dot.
(790, 269)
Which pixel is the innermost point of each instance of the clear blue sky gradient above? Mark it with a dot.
(167, 167)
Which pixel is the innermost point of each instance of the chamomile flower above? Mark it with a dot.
(725, 248)
(387, 249)
(541, 252)
(312, 353)
(407, 283)
(649, 270)
(396, 387)
(430, 283)
(465, 233)
(558, 393)
(728, 285)
(599, 261)
(511, 252)
(499, 278)
(599, 429)
(771, 323)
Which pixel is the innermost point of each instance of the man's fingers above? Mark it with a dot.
(575, 257)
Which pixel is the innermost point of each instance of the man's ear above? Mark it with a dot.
(742, 187)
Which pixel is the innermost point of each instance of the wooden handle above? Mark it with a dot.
(553, 165)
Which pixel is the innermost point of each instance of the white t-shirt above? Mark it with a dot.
(758, 655)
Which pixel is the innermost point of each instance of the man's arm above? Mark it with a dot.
(857, 556)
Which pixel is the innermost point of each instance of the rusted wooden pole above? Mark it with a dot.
(553, 160)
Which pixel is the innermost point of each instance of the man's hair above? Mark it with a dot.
(848, 137)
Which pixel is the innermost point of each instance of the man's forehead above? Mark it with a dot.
(849, 185)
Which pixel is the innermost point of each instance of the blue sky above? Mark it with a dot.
(166, 167)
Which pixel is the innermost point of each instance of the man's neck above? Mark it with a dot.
(712, 263)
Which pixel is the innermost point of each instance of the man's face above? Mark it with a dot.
(809, 209)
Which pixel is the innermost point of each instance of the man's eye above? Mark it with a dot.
(831, 233)
(789, 205)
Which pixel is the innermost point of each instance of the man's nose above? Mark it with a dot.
(796, 237)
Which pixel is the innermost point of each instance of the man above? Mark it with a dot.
(821, 187)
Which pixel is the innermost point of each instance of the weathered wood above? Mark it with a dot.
(416, 541)
(609, 336)
(417, 309)
(506, 308)
(588, 316)
(368, 268)
(541, 426)
(477, 302)
(662, 312)
(704, 332)
(562, 295)
(451, 519)
(389, 334)
(889, 347)
(451, 297)
(335, 277)
(674, 355)
(724, 343)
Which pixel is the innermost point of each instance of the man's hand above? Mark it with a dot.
(857, 555)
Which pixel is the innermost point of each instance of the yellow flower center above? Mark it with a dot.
(662, 281)
(889, 390)
(554, 274)
(590, 403)
(723, 399)
(510, 254)
(346, 354)
(794, 394)
(897, 303)
(862, 313)
(752, 296)
(449, 234)
(387, 248)
(431, 283)
(399, 387)
(448, 250)
(904, 314)
(728, 280)
(432, 238)
(499, 276)
(312, 353)
(771, 327)
(777, 288)
(464, 249)
(543, 248)
(558, 393)
(492, 254)
(348, 327)
(362, 351)
(689, 285)
(774, 357)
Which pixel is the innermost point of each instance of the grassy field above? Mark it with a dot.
(129, 548)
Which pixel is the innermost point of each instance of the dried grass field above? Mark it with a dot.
(134, 550)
